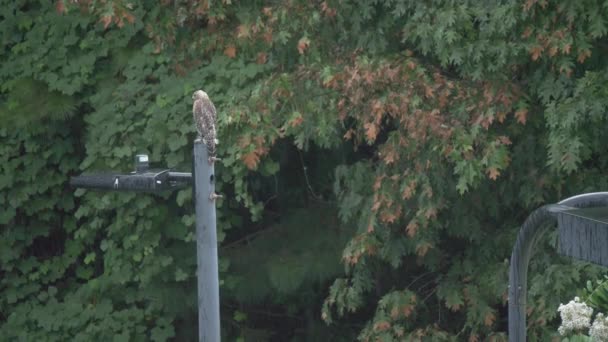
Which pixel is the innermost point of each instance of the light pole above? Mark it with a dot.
(583, 234)
(144, 179)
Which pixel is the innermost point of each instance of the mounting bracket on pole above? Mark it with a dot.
(142, 179)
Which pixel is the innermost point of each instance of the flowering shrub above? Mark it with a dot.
(577, 315)
(599, 329)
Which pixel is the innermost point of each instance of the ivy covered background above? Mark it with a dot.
(378, 158)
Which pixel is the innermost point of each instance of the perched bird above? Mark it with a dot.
(203, 112)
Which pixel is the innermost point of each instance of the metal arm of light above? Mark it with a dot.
(532, 230)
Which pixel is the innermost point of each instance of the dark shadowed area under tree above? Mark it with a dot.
(377, 160)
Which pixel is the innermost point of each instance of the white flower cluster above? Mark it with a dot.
(599, 329)
(576, 315)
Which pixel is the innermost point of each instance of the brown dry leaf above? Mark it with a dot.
(409, 190)
(411, 229)
(430, 213)
(297, 121)
(422, 248)
(504, 140)
(106, 20)
(381, 326)
(536, 52)
(371, 131)
(407, 310)
(268, 36)
(493, 173)
(242, 31)
(521, 116)
(251, 160)
(262, 57)
(60, 6)
(582, 56)
(489, 319)
(388, 216)
(230, 51)
(303, 44)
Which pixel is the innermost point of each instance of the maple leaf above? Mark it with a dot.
(371, 131)
(297, 121)
(431, 212)
(521, 116)
(408, 191)
(268, 36)
(303, 44)
(536, 52)
(262, 57)
(582, 56)
(489, 319)
(422, 248)
(230, 51)
(407, 310)
(60, 6)
(493, 173)
(381, 326)
(394, 313)
(251, 160)
(553, 51)
(388, 216)
(106, 20)
(242, 31)
(411, 229)
(504, 140)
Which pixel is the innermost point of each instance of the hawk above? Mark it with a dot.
(203, 112)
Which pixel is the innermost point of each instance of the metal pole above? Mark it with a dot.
(206, 247)
(531, 231)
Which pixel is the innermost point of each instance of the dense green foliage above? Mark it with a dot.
(406, 139)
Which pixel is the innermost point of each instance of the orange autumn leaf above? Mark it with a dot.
(504, 140)
(536, 52)
(430, 213)
(394, 313)
(297, 121)
(242, 31)
(493, 173)
(230, 51)
(371, 131)
(407, 310)
(583, 56)
(303, 44)
(381, 326)
(411, 229)
(106, 20)
(262, 57)
(422, 248)
(521, 116)
(60, 6)
(251, 160)
(489, 319)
